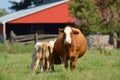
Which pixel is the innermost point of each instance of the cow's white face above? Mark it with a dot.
(67, 32)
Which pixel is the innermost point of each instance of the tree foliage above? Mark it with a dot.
(100, 15)
(87, 13)
(26, 4)
(110, 13)
(3, 12)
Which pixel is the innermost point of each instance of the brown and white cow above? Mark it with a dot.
(42, 56)
(70, 45)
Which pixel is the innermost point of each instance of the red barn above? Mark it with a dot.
(45, 19)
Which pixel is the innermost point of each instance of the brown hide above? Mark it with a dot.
(73, 51)
(43, 54)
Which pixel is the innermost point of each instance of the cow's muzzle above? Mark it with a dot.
(67, 42)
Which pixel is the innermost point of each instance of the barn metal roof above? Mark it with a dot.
(26, 12)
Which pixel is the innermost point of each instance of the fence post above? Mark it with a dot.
(35, 37)
(12, 37)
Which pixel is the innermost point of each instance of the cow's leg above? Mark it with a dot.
(73, 61)
(72, 64)
(52, 65)
(44, 64)
(40, 63)
(36, 63)
(48, 64)
(52, 61)
(66, 63)
(41, 70)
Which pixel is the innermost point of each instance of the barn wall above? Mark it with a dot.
(23, 29)
(2, 38)
(1, 28)
(19, 29)
(2, 33)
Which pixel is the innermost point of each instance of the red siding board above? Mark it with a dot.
(56, 14)
(1, 28)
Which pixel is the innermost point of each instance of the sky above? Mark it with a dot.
(5, 4)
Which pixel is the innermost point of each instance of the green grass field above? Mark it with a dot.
(15, 62)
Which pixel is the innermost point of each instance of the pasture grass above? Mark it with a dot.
(92, 66)
(16, 48)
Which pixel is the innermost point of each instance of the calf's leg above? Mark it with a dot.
(48, 64)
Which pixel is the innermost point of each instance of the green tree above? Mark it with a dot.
(26, 4)
(88, 15)
(110, 17)
(16, 6)
(100, 15)
(3, 12)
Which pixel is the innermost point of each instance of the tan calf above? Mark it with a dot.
(42, 55)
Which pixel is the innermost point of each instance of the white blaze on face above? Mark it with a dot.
(67, 32)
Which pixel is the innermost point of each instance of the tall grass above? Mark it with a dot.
(92, 66)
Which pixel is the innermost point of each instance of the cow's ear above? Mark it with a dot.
(75, 31)
(61, 30)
